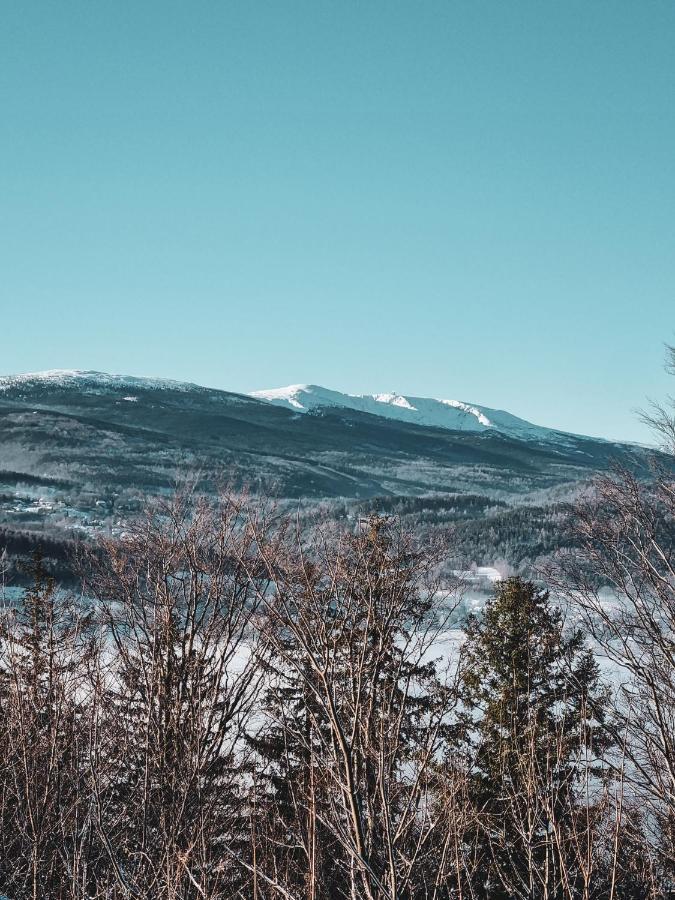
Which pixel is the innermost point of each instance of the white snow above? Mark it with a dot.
(454, 415)
(394, 400)
(58, 376)
(457, 404)
(91, 381)
(479, 574)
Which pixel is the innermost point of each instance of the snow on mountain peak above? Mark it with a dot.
(394, 400)
(286, 395)
(453, 415)
(473, 410)
(56, 376)
(89, 379)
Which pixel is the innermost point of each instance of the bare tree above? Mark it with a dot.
(353, 619)
(623, 580)
(45, 812)
(168, 769)
(660, 417)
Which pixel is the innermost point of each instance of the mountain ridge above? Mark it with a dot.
(83, 451)
(427, 412)
(452, 415)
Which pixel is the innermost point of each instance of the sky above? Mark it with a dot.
(467, 199)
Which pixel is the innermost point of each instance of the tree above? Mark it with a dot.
(533, 707)
(46, 647)
(352, 620)
(180, 688)
(622, 579)
(291, 787)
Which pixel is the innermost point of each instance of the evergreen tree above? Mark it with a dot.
(532, 700)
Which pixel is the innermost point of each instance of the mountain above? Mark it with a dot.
(81, 452)
(452, 415)
(91, 428)
(87, 381)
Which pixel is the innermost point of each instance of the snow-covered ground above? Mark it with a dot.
(90, 379)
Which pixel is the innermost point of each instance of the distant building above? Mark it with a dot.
(481, 574)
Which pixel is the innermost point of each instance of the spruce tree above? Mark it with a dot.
(532, 699)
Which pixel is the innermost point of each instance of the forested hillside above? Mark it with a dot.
(81, 454)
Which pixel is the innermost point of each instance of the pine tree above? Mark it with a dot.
(532, 700)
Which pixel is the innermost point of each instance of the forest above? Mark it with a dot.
(238, 705)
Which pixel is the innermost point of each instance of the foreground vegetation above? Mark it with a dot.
(244, 709)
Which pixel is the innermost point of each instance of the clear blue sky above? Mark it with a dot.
(472, 200)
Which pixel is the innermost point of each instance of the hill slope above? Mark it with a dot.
(81, 452)
(117, 430)
(451, 415)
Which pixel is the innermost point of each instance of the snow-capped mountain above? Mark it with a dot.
(453, 415)
(90, 381)
(118, 433)
(450, 415)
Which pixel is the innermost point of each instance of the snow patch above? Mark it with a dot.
(394, 400)
(472, 410)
